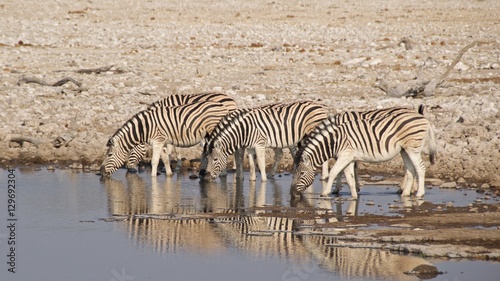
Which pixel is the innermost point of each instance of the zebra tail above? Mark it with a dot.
(432, 145)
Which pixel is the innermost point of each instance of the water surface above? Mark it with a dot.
(73, 226)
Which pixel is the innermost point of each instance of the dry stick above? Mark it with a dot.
(21, 139)
(61, 82)
(433, 84)
(100, 70)
(427, 87)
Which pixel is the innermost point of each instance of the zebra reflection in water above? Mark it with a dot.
(168, 219)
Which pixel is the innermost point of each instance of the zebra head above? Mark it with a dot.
(204, 161)
(303, 175)
(217, 160)
(115, 157)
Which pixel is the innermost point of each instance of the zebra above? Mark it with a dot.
(139, 151)
(337, 119)
(375, 140)
(277, 126)
(239, 153)
(183, 125)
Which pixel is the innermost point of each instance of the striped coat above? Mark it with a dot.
(182, 126)
(374, 140)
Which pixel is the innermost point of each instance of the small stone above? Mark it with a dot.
(485, 186)
(376, 178)
(449, 204)
(451, 184)
(473, 210)
(354, 61)
(260, 97)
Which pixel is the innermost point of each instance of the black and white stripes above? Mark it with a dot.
(183, 126)
(368, 140)
(139, 151)
(276, 126)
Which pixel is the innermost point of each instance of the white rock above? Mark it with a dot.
(354, 61)
(260, 97)
(460, 66)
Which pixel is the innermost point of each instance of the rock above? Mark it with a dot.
(449, 185)
(424, 271)
(460, 66)
(354, 61)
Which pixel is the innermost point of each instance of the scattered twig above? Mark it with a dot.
(61, 82)
(405, 40)
(100, 70)
(60, 141)
(21, 139)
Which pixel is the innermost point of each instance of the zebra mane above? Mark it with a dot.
(331, 120)
(223, 124)
(129, 124)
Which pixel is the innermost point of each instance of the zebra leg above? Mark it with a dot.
(350, 178)
(155, 159)
(418, 164)
(172, 150)
(260, 153)
(409, 174)
(278, 154)
(324, 171)
(338, 183)
(338, 167)
(165, 157)
(251, 163)
(356, 177)
(239, 156)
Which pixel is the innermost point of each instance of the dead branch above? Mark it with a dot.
(405, 40)
(21, 139)
(25, 79)
(433, 84)
(100, 70)
(419, 86)
(60, 141)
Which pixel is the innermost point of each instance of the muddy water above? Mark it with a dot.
(73, 226)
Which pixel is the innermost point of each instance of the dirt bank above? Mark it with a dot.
(119, 54)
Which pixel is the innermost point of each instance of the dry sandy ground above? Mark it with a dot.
(259, 51)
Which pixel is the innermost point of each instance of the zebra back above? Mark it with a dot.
(284, 124)
(175, 100)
